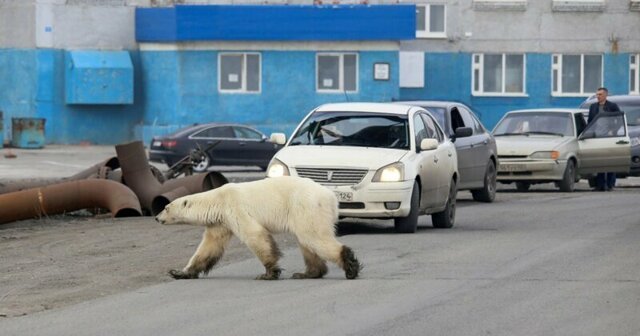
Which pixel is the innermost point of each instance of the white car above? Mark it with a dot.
(556, 145)
(381, 160)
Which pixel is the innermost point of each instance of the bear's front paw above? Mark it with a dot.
(272, 274)
(178, 275)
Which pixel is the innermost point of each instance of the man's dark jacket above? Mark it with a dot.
(608, 107)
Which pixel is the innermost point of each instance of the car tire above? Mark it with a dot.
(568, 182)
(446, 218)
(522, 186)
(409, 224)
(488, 191)
(203, 165)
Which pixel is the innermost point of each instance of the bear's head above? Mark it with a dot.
(178, 212)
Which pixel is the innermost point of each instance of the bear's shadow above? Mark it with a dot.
(371, 226)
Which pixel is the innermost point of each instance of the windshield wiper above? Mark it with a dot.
(502, 134)
(545, 133)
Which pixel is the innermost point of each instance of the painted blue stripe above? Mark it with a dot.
(275, 23)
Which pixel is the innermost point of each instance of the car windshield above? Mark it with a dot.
(354, 129)
(546, 123)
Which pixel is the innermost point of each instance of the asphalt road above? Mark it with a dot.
(537, 263)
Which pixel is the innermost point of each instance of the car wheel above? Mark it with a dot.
(522, 186)
(569, 178)
(409, 224)
(203, 165)
(446, 218)
(488, 192)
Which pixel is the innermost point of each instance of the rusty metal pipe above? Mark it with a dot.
(193, 184)
(69, 196)
(98, 170)
(137, 174)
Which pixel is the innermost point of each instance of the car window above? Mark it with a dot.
(420, 131)
(632, 110)
(456, 119)
(215, 132)
(246, 133)
(477, 125)
(551, 123)
(581, 124)
(432, 129)
(353, 129)
(468, 120)
(607, 125)
(438, 113)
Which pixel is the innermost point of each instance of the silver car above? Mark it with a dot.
(556, 145)
(477, 154)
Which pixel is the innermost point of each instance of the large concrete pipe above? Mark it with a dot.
(69, 196)
(99, 170)
(193, 184)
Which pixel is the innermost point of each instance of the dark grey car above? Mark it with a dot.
(630, 105)
(477, 154)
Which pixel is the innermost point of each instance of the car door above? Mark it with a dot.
(428, 166)
(464, 146)
(444, 158)
(604, 145)
(220, 143)
(478, 152)
(254, 147)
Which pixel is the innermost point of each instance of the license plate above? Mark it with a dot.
(511, 167)
(344, 196)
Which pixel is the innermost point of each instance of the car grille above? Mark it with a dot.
(333, 176)
(351, 205)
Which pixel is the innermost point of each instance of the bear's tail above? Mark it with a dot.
(351, 265)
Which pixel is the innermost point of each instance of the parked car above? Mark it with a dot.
(477, 154)
(556, 145)
(630, 105)
(381, 160)
(225, 145)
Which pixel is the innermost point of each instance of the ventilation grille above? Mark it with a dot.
(333, 176)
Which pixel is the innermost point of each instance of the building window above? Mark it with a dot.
(498, 74)
(576, 74)
(431, 21)
(337, 72)
(634, 74)
(239, 72)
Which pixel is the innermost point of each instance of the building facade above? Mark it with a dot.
(112, 71)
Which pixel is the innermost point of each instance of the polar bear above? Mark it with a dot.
(252, 211)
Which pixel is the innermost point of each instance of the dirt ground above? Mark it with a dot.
(62, 260)
(55, 262)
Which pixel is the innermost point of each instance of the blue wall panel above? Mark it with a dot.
(275, 23)
(287, 94)
(448, 77)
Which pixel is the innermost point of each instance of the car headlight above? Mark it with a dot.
(277, 168)
(390, 173)
(553, 155)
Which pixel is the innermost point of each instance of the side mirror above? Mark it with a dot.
(428, 144)
(278, 138)
(463, 132)
(264, 138)
(588, 134)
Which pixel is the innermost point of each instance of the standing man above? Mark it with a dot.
(604, 181)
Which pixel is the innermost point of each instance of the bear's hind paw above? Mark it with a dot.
(178, 275)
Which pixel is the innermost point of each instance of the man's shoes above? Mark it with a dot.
(599, 189)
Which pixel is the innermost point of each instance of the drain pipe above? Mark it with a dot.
(69, 196)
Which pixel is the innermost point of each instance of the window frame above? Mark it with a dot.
(477, 69)
(556, 75)
(341, 81)
(634, 67)
(244, 74)
(427, 33)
